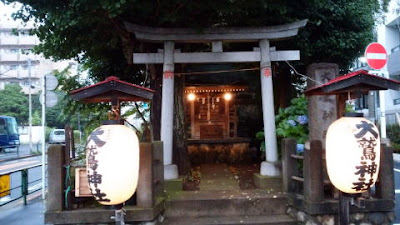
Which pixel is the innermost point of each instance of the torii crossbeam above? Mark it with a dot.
(263, 54)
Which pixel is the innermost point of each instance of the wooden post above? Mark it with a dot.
(385, 185)
(192, 119)
(158, 169)
(227, 126)
(288, 165)
(55, 165)
(312, 169)
(145, 191)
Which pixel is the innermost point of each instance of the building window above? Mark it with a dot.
(361, 103)
(396, 101)
(13, 67)
(14, 50)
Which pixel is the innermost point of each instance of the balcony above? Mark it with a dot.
(9, 40)
(25, 57)
(9, 57)
(28, 40)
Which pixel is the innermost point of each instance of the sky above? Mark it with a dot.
(5, 15)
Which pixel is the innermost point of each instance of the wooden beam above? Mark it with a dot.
(214, 57)
(233, 34)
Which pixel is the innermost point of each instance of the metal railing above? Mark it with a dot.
(27, 187)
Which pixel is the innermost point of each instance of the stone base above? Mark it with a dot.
(173, 185)
(272, 169)
(267, 182)
(170, 172)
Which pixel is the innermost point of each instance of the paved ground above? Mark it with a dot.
(18, 214)
(217, 177)
(32, 214)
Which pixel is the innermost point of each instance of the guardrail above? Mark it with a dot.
(27, 187)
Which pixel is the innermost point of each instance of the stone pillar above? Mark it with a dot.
(268, 167)
(321, 108)
(167, 110)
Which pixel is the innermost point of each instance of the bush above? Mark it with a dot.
(290, 122)
(393, 133)
(293, 121)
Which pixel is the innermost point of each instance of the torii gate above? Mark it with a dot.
(264, 54)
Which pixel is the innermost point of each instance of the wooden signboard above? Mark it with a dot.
(81, 183)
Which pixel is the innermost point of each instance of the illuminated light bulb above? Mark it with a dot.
(191, 97)
(227, 96)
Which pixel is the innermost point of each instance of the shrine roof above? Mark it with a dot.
(238, 34)
(357, 82)
(112, 87)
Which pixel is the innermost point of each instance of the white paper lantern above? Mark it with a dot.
(112, 162)
(353, 154)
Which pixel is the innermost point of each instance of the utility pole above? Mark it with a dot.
(43, 136)
(30, 106)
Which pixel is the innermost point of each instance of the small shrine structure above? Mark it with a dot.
(262, 53)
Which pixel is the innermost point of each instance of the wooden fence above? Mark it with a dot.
(306, 182)
(146, 205)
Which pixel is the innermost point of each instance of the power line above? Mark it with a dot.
(218, 71)
(302, 75)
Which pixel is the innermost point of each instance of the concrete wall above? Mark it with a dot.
(36, 134)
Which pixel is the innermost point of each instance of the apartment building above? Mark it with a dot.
(388, 34)
(15, 54)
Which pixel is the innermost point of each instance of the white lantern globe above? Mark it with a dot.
(112, 162)
(352, 154)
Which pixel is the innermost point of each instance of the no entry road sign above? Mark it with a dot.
(376, 55)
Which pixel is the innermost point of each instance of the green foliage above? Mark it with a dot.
(393, 133)
(93, 33)
(290, 122)
(293, 121)
(14, 103)
(36, 118)
(337, 31)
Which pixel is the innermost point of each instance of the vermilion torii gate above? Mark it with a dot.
(264, 54)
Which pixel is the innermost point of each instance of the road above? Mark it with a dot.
(22, 151)
(397, 190)
(13, 169)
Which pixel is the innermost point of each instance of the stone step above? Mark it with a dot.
(232, 220)
(225, 203)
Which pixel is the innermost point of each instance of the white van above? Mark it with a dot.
(57, 136)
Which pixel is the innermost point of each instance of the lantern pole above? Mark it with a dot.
(119, 215)
(344, 205)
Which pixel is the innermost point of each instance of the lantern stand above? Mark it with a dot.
(348, 86)
(112, 90)
(346, 199)
(119, 215)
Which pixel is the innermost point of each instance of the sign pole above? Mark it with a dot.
(43, 137)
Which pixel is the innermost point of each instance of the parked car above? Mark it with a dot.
(57, 136)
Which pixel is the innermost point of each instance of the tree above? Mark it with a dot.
(14, 103)
(93, 32)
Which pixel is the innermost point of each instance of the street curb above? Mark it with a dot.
(28, 156)
(396, 157)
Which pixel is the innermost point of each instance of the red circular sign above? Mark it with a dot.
(376, 55)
